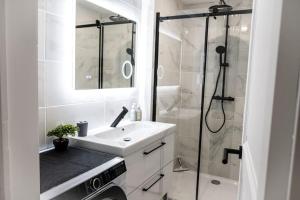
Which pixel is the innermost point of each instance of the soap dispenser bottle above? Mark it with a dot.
(133, 113)
(138, 114)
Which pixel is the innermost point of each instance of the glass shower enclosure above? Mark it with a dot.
(199, 84)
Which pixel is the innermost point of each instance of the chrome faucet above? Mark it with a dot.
(120, 117)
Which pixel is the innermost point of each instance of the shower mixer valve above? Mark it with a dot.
(223, 98)
(227, 151)
(225, 64)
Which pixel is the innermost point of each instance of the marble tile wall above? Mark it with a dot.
(230, 136)
(187, 112)
(168, 90)
(59, 102)
(191, 90)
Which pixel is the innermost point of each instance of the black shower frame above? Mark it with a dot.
(160, 19)
(101, 26)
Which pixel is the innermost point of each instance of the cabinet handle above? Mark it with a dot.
(148, 152)
(159, 178)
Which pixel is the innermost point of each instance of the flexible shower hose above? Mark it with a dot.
(210, 103)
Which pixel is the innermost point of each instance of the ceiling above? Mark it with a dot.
(192, 2)
(91, 6)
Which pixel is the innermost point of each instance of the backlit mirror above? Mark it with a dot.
(104, 49)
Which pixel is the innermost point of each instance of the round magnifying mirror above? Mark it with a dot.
(127, 69)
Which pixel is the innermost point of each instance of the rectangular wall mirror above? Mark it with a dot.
(104, 49)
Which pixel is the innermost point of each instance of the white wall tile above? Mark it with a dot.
(41, 34)
(41, 84)
(93, 113)
(120, 94)
(113, 109)
(57, 84)
(55, 38)
(42, 128)
(41, 4)
(59, 7)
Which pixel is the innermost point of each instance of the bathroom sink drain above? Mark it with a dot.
(216, 182)
(127, 139)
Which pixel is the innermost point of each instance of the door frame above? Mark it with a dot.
(268, 149)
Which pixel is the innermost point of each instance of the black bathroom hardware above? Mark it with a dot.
(223, 98)
(225, 64)
(222, 51)
(148, 152)
(148, 188)
(120, 117)
(199, 15)
(97, 24)
(222, 7)
(231, 151)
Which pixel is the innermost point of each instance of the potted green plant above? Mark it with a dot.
(61, 132)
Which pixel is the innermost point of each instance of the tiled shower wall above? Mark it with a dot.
(58, 101)
(169, 69)
(187, 91)
(191, 84)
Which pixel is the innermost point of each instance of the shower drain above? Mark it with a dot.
(215, 182)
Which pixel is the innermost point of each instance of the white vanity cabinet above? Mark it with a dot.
(148, 150)
(149, 170)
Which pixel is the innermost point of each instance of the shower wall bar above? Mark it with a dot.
(202, 105)
(98, 24)
(101, 52)
(154, 95)
(160, 19)
(233, 12)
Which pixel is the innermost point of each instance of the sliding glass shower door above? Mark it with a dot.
(201, 66)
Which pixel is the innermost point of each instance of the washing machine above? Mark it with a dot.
(106, 185)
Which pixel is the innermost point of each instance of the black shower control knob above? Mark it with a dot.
(95, 183)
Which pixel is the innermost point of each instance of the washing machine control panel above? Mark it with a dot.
(106, 177)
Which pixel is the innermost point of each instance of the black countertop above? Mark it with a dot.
(59, 167)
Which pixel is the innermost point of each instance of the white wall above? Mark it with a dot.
(285, 102)
(146, 56)
(2, 64)
(19, 98)
(272, 94)
(261, 83)
(294, 192)
(59, 102)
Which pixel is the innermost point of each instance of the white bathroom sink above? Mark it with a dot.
(124, 139)
(124, 131)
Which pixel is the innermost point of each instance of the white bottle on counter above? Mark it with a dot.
(138, 114)
(133, 113)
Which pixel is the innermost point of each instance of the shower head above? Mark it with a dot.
(118, 18)
(129, 51)
(222, 7)
(220, 49)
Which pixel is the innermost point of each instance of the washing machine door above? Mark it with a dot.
(111, 192)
